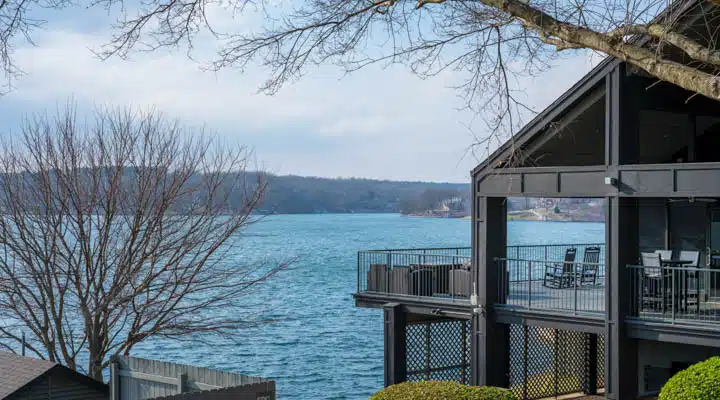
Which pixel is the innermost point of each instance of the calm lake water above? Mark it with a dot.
(322, 347)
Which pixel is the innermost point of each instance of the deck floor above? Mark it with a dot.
(535, 295)
(591, 299)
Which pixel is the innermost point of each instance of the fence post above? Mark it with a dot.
(182, 377)
(387, 273)
(114, 380)
(575, 288)
(529, 283)
(672, 294)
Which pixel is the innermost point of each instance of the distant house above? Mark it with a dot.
(31, 378)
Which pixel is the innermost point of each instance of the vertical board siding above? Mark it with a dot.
(149, 379)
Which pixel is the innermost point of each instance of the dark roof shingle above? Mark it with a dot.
(17, 371)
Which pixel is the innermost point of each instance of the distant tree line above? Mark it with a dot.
(300, 195)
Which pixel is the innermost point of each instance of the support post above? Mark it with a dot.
(621, 234)
(590, 364)
(395, 351)
(621, 350)
(490, 339)
(114, 380)
(182, 378)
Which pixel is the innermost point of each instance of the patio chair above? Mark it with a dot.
(652, 283)
(560, 275)
(377, 278)
(400, 280)
(590, 267)
(664, 254)
(693, 274)
(460, 283)
(421, 281)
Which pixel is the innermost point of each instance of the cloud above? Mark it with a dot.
(381, 123)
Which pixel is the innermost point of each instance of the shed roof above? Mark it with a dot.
(17, 371)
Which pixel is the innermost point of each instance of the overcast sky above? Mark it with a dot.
(376, 123)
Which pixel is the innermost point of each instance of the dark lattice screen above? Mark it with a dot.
(601, 361)
(547, 362)
(438, 350)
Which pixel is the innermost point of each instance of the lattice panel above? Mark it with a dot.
(601, 361)
(438, 350)
(547, 362)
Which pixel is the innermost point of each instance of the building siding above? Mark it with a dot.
(58, 384)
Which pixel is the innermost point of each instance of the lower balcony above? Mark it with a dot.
(440, 276)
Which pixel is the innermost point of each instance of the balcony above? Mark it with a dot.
(443, 276)
(563, 278)
(677, 295)
(438, 275)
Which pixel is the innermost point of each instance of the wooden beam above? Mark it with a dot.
(586, 181)
(148, 377)
(670, 180)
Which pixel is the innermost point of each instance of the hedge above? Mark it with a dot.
(700, 381)
(441, 390)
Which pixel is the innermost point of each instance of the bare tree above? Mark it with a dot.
(119, 231)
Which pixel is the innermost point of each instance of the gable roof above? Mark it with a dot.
(676, 9)
(552, 112)
(16, 372)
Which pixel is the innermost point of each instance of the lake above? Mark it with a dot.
(322, 347)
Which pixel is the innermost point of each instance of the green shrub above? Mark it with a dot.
(700, 381)
(441, 390)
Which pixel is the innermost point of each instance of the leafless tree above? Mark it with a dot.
(492, 42)
(121, 230)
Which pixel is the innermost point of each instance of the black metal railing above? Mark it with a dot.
(551, 285)
(550, 252)
(675, 294)
(446, 272)
(441, 272)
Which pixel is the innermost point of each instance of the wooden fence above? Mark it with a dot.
(133, 378)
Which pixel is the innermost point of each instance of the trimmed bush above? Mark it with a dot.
(441, 390)
(700, 381)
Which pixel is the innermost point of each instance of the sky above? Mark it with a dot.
(382, 123)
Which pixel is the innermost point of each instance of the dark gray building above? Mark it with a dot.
(26, 378)
(617, 317)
